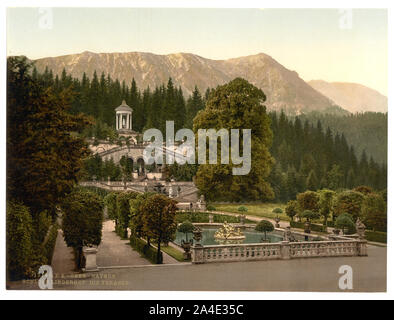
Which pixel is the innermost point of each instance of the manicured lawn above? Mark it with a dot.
(255, 209)
(175, 253)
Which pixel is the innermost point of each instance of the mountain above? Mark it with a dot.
(353, 97)
(284, 88)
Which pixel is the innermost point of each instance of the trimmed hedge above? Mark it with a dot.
(203, 217)
(314, 227)
(50, 242)
(142, 247)
(376, 236)
(20, 251)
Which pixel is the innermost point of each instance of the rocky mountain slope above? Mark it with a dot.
(352, 96)
(284, 88)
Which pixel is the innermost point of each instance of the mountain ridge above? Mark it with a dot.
(353, 97)
(283, 87)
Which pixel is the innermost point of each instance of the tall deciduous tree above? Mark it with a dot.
(308, 200)
(159, 221)
(374, 212)
(237, 105)
(348, 202)
(326, 198)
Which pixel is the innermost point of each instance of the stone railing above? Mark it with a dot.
(236, 252)
(342, 248)
(278, 251)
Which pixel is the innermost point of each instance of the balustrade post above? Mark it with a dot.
(285, 250)
(362, 248)
(197, 249)
(197, 254)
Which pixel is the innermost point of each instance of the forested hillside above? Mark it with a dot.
(312, 151)
(309, 157)
(365, 131)
(100, 96)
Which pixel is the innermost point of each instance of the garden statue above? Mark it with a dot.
(288, 236)
(228, 232)
(336, 231)
(307, 227)
(277, 220)
(201, 204)
(242, 219)
(170, 191)
(210, 218)
(360, 227)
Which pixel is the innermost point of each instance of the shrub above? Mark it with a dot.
(50, 242)
(218, 218)
(203, 217)
(374, 212)
(242, 209)
(383, 193)
(186, 228)
(41, 225)
(136, 215)
(82, 220)
(344, 221)
(291, 209)
(195, 217)
(363, 189)
(102, 193)
(265, 226)
(110, 203)
(277, 211)
(19, 240)
(314, 227)
(310, 215)
(123, 211)
(211, 208)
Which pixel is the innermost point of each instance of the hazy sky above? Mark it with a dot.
(322, 44)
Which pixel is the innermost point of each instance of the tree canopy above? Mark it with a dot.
(237, 105)
(44, 157)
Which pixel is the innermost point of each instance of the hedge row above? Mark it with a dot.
(203, 217)
(50, 242)
(376, 236)
(147, 251)
(314, 227)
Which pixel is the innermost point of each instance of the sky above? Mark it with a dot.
(319, 44)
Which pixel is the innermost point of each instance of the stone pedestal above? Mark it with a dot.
(285, 250)
(197, 254)
(362, 248)
(90, 258)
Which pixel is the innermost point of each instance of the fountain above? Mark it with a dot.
(229, 234)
